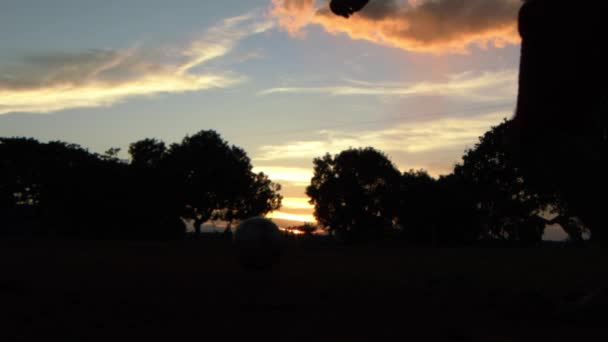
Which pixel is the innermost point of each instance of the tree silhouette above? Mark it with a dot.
(417, 205)
(198, 169)
(212, 180)
(259, 197)
(74, 193)
(355, 193)
(147, 153)
(20, 180)
(457, 220)
(152, 190)
(508, 204)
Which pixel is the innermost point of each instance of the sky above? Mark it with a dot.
(286, 80)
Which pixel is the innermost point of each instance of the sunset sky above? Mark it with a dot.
(285, 80)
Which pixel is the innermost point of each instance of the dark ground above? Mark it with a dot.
(105, 291)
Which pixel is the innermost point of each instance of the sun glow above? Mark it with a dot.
(294, 175)
(292, 217)
(292, 231)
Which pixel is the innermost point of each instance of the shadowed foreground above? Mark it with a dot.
(101, 291)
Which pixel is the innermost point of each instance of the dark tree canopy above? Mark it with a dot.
(417, 205)
(213, 180)
(457, 220)
(67, 191)
(73, 192)
(508, 205)
(147, 153)
(355, 192)
(437, 211)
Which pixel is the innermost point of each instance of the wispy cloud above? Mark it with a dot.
(296, 203)
(102, 77)
(295, 176)
(489, 86)
(436, 26)
(406, 137)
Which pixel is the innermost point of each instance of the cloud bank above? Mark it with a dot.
(478, 86)
(102, 77)
(435, 26)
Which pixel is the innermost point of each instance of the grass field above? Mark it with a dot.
(187, 290)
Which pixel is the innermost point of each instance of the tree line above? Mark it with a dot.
(60, 189)
(361, 195)
(63, 190)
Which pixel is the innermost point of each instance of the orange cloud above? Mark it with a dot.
(435, 26)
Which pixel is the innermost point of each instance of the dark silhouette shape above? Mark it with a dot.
(562, 107)
(147, 153)
(355, 193)
(346, 8)
(456, 219)
(227, 234)
(259, 243)
(417, 206)
(75, 193)
(436, 212)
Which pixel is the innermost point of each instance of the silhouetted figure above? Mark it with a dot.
(346, 8)
(562, 108)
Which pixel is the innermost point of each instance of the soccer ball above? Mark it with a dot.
(259, 243)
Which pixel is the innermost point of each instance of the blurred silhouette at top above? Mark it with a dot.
(562, 104)
(346, 8)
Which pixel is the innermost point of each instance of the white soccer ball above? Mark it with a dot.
(259, 243)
